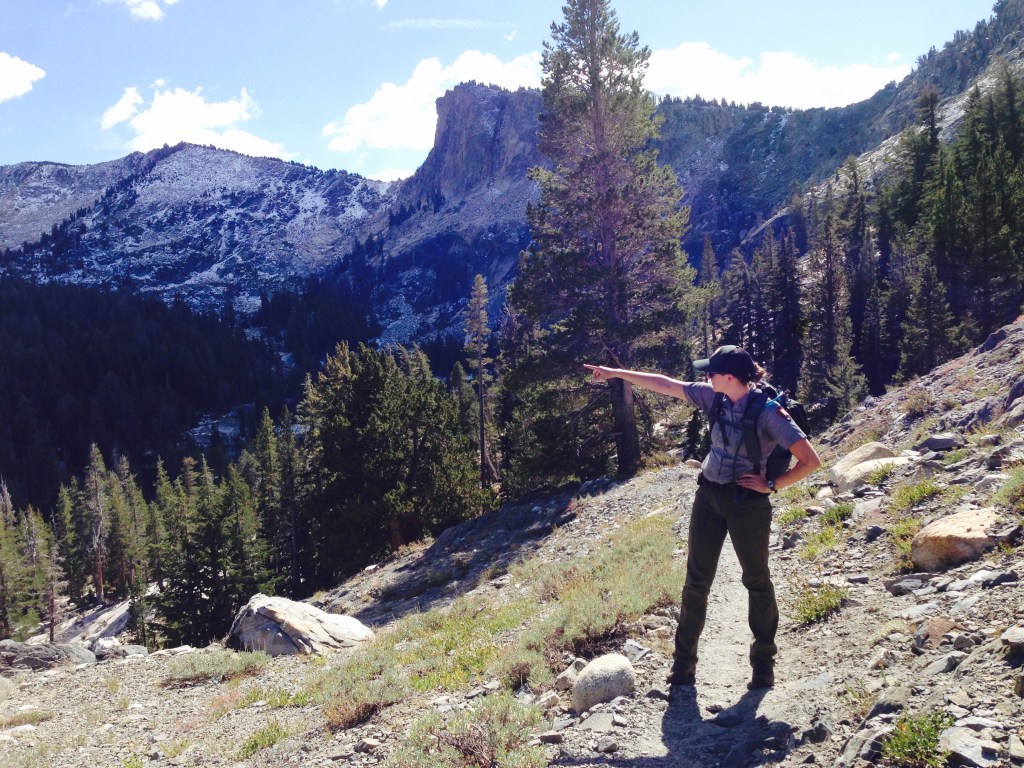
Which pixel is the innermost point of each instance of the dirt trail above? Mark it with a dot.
(718, 722)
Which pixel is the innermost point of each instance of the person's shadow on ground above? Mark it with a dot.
(734, 737)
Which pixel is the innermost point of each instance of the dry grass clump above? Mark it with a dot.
(28, 717)
(495, 733)
(219, 665)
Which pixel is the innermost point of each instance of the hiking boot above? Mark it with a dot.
(763, 676)
(682, 674)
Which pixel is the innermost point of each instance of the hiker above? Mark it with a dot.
(732, 497)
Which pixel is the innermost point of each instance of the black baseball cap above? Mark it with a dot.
(729, 359)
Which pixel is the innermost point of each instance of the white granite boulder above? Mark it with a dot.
(603, 679)
(858, 474)
(1013, 638)
(954, 539)
(112, 648)
(280, 626)
(867, 452)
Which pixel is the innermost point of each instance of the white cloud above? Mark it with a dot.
(125, 108)
(777, 78)
(176, 115)
(404, 116)
(379, 3)
(16, 76)
(150, 10)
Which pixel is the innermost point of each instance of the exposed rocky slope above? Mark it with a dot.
(903, 641)
(201, 224)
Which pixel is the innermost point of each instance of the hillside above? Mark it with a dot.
(902, 641)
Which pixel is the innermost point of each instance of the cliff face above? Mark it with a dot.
(485, 137)
(463, 213)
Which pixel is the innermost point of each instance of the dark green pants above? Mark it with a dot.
(746, 516)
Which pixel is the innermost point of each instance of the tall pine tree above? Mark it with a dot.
(603, 279)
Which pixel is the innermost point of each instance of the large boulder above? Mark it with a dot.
(39, 656)
(112, 648)
(954, 539)
(280, 626)
(867, 452)
(966, 748)
(858, 474)
(603, 679)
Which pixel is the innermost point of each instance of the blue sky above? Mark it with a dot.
(351, 84)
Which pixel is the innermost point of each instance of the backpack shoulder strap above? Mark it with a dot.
(757, 399)
(716, 410)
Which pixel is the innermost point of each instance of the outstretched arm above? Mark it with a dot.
(655, 382)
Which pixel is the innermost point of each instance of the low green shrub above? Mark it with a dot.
(903, 532)
(791, 516)
(216, 665)
(917, 403)
(265, 737)
(909, 495)
(1011, 494)
(879, 475)
(795, 494)
(818, 603)
(820, 542)
(914, 742)
(956, 455)
(494, 733)
(835, 515)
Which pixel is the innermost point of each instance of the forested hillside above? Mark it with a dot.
(383, 460)
(83, 365)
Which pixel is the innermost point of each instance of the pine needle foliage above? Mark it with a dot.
(604, 278)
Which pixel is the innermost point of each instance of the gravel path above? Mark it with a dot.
(718, 721)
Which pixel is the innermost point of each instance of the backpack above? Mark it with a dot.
(762, 396)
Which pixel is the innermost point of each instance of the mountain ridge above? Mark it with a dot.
(241, 227)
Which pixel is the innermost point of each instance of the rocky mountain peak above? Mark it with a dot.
(485, 137)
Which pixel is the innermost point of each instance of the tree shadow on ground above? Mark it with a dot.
(735, 737)
(471, 553)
